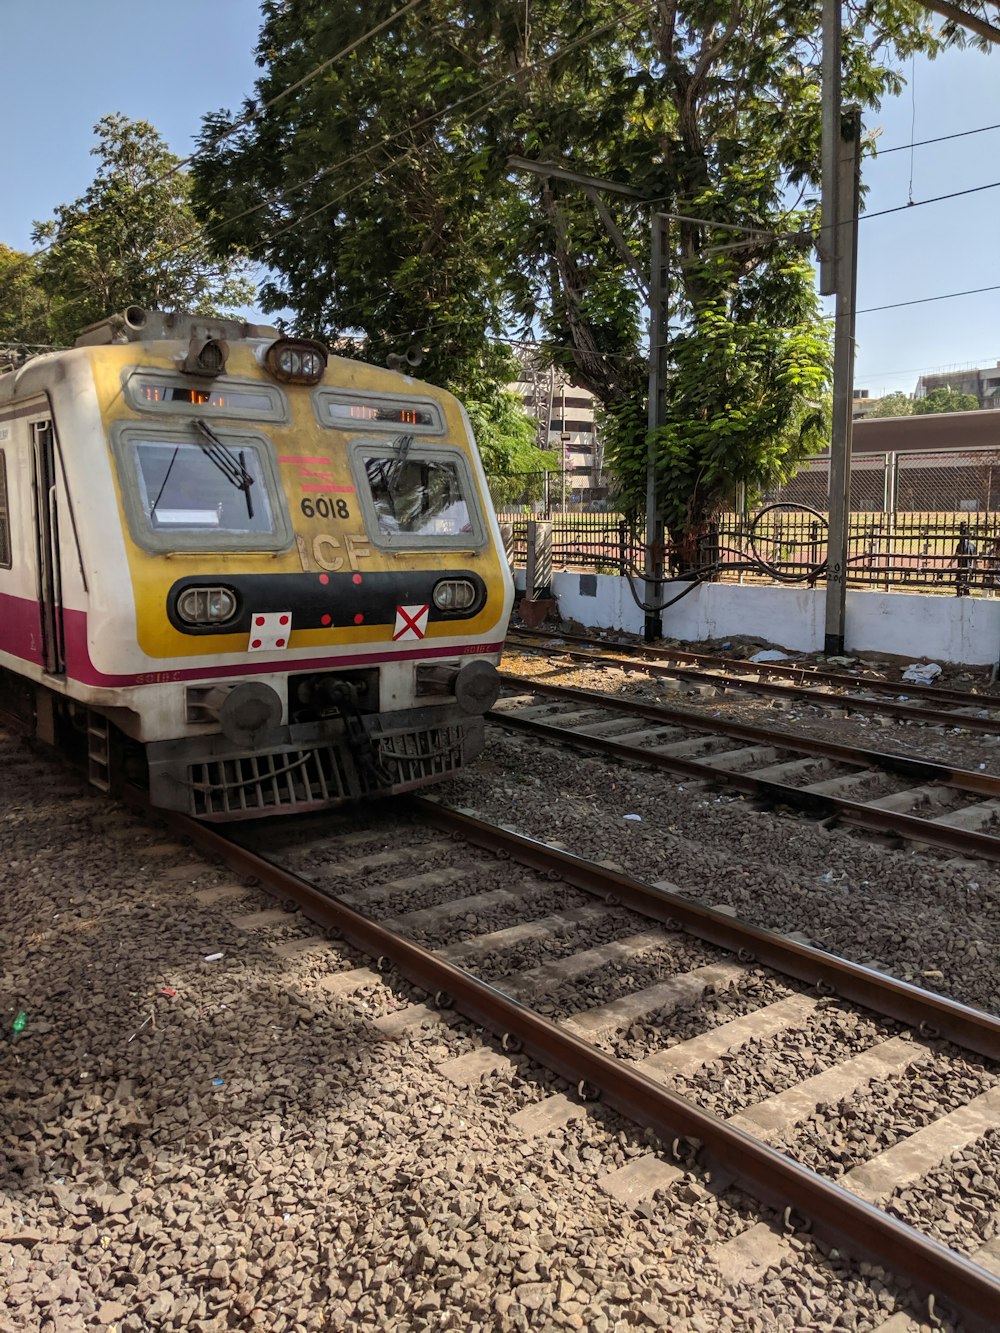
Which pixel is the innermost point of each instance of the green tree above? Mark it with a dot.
(378, 192)
(946, 400)
(507, 436)
(132, 238)
(892, 405)
(24, 304)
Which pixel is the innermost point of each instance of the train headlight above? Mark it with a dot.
(454, 595)
(296, 360)
(206, 606)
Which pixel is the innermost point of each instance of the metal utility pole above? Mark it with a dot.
(849, 174)
(830, 147)
(659, 292)
(838, 276)
(563, 442)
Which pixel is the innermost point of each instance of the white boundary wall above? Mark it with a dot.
(942, 628)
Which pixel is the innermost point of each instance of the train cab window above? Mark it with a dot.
(417, 496)
(216, 491)
(5, 543)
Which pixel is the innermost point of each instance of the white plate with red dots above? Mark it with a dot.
(269, 630)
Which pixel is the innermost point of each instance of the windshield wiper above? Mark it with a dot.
(166, 478)
(401, 444)
(232, 466)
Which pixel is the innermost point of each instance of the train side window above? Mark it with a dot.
(5, 542)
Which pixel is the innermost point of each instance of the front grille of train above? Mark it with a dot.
(319, 775)
(314, 776)
(414, 756)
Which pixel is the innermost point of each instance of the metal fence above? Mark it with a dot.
(545, 493)
(928, 521)
(944, 482)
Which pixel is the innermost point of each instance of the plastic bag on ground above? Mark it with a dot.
(921, 673)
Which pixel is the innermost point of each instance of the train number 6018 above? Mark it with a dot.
(321, 507)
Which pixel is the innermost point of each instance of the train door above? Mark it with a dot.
(47, 545)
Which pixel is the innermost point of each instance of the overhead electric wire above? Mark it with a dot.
(919, 203)
(390, 138)
(925, 300)
(635, 11)
(941, 138)
(939, 368)
(757, 232)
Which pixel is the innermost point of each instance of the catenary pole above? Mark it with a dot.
(838, 241)
(658, 318)
(848, 192)
(658, 297)
(830, 146)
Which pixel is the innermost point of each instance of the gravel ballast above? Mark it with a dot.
(214, 1143)
(927, 918)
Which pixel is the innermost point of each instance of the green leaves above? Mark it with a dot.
(946, 400)
(378, 196)
(132, 238)
(892, 405)
(24, 303)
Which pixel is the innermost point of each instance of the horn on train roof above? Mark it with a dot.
(412, 357)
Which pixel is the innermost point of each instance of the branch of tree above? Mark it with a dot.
(964, 19)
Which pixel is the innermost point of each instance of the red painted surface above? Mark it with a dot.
(21, 628)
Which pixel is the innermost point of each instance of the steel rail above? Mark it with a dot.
(963, 779)
(965, 842)
(937, 1015)
(841, 1218)
(799, 671)
(856, 703)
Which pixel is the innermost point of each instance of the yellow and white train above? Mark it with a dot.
(265, 578)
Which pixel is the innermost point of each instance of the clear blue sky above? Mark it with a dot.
(66, 63)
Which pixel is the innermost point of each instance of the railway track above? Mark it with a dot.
(934, 805)
(661, 1008)
(933, 705)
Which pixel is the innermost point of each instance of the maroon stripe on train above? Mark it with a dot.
(19, 619)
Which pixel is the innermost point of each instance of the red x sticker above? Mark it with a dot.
(411, 622)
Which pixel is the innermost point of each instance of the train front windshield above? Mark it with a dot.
(419, 495)
(188, 490)
(187, 486)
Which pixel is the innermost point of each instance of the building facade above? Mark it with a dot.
(982, 381)
(565, 416)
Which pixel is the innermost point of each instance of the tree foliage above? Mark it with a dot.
(506, 437)
(132, 238)
(24, 304)
(379, 194)
(946, 400)
(892, 405)
(975, 23)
